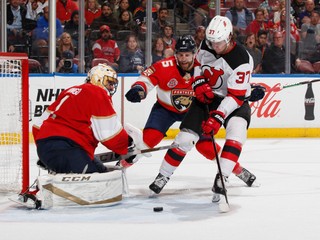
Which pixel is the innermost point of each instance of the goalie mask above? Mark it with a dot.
(105, 77)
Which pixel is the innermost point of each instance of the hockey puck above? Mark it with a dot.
(158, 209)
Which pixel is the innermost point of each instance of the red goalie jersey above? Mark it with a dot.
(85, 115)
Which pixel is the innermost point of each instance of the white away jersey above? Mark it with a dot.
(229, 75)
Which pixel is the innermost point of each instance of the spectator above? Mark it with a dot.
(310, 47)
(277, 13)
(157, 50)
(298, 7)
(16, 19)
(250, 45)
(201, 13)
(271, 6)
(281, 27)
(305, 16)
(64, 9)
(66, 64)
(139, 14)
(168, 38)
(32, 12)
(240, 17)
(126, 22)
(132, 58)
(258, 23)
(106, 48)
(72, 27)
(161, 21)
(273, 60)
(92, 11)
(106, 18)
(65, 44)
(40, 37)
(262, 41)
(123, 6)
(200, 35)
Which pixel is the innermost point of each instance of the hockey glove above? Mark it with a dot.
(202, 90)
(128, 162)
(257, 92)
(135, 94)
(213, 123)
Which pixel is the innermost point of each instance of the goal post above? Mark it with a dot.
(14, 127)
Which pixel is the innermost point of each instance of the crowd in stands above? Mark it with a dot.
(115, 31)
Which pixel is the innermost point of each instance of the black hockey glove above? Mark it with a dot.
(135, 94)
(257, 92)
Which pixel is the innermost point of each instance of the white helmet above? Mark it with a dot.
(219, 29)
(103, 76)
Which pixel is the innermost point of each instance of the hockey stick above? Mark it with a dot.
(299, 83)
(224, 207)
(111, 156)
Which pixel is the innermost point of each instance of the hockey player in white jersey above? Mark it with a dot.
(222, 88)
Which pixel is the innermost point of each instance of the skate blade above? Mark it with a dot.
(220, 199)
(29, 204)
(152, 194)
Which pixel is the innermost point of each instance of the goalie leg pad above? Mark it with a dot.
(102, 189)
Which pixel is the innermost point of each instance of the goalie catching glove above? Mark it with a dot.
(202, 90)
(135, 94)
(213, 123)
(257, 92)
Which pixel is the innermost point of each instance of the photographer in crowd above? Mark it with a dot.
(66, 64)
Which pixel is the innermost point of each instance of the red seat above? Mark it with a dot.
(34, 66)
(305, 67)
(316, 67)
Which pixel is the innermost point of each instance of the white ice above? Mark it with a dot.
(285, 206)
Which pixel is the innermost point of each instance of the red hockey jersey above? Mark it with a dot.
(84, 114)
(174, 91)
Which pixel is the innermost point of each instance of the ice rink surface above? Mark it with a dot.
(285, 206)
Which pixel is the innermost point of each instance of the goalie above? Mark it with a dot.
(70, 129)
(66, 137)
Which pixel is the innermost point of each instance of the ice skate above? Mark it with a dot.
(247, 177)
(217, 188)
(159, 183)
(28, 200)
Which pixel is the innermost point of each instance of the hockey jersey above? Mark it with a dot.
(174, 90)
(229, 74)
(85, 115)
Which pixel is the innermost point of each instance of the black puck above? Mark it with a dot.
(158, 209)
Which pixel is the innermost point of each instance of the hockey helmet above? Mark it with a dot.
(186, 43)
(104, 76)
(219, 29)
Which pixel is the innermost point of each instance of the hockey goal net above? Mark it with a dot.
(14, 127)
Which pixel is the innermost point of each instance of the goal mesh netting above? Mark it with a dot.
(14, 127)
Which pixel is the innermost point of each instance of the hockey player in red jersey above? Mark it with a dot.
(222, 73)
(82, 116)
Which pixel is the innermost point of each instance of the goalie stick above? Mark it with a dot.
(111, 156)
(299, 83)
